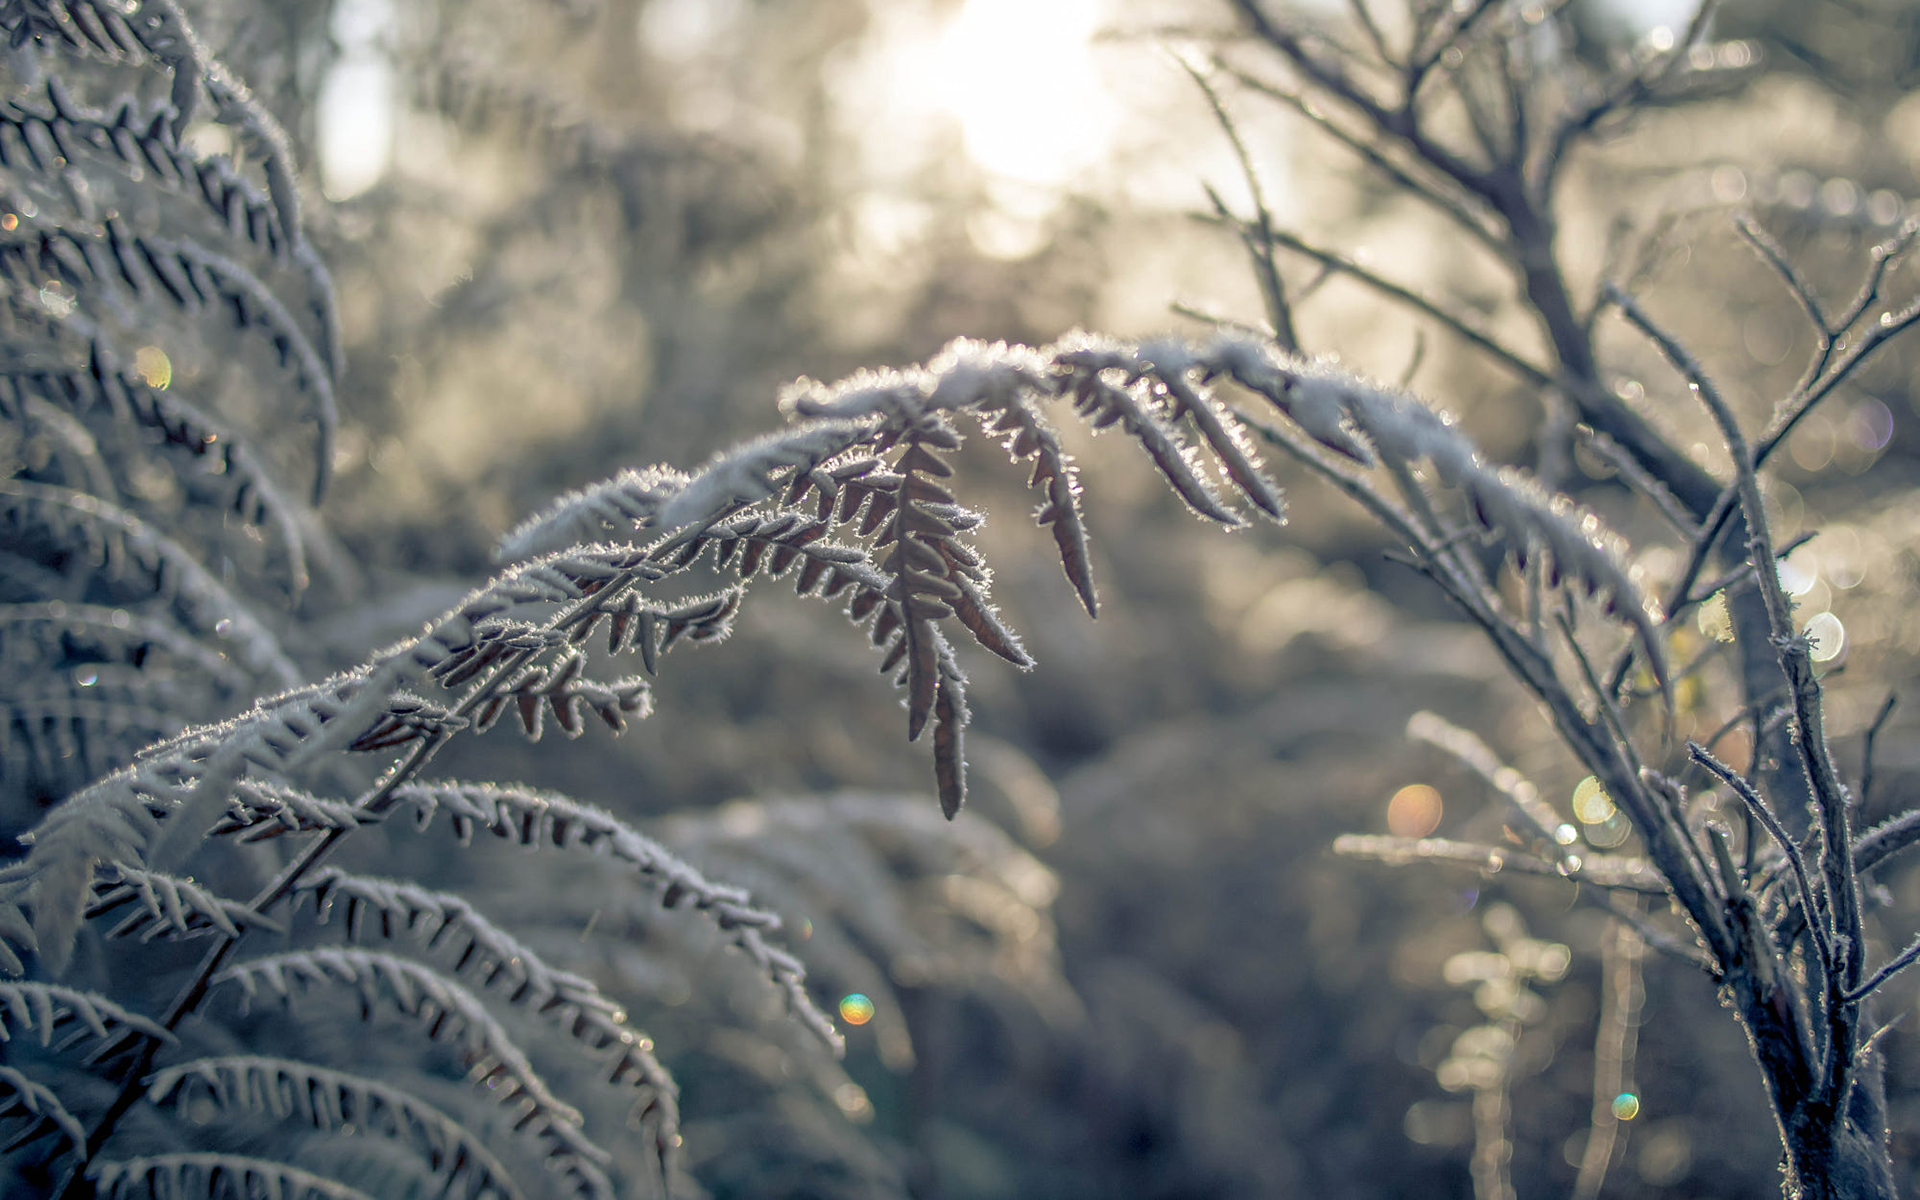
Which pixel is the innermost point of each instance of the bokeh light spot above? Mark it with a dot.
(1414, 811)
(1871, 425)
(1828, 637)
(152, 365)
(856, 1009)
(1591, 803)
(1626, 1106)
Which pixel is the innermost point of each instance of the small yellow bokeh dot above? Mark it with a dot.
(10, 222)
(1626, 1106)
(1414, 811)
(1591, 802)
(152, 365)
(856, 1009)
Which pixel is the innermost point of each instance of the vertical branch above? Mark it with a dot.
(1259, 240)
(1842, 885)
(1615, 1043)
(1493, 1133)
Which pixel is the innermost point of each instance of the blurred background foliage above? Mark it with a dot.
(576, 235)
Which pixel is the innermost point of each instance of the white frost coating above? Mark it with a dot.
(629, 499)
(741, 475)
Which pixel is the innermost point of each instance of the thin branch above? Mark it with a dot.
(1900, 962)
(1422, 64)
(1639, 479)
(1873, 732)
(1625, 91)
(1533, 375)
(1775, 256)
(1890, 326)
(1259, 249)
(1364, 15)
(1822, 939)
(1332, 78)
(1430, 192)
(1795, 660)
(1466, 746)
(1621, 875)
(1615, 1040)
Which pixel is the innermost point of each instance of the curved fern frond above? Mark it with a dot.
(227, 460)
(122, 543)
(179, 1176)
(39, 1108)
(141, 141)
(54, 630)
(1169, 365)
(1008, 412)
(559, 687)
(167, 905)
(189, 276)
(62, 1018)
(504, 965)
(54, 432)
(328, 1100)
(262, 810)
(495, 1063)
(540, 820)
(652, 628)
(1363, 421)
(624, 504)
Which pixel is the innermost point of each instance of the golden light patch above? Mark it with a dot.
(1414, 811)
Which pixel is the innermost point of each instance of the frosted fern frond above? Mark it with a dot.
(625, 504)
(637, 623)
(34, 634)
(1170, 364)
(166, 905)
(1364, 422)
(539, 820)
(506, 966)
(68, 445)
(261, 810)
(449, 1013)
(137, 138)
(663, 500)
(1008, 412)
(215, 1176)
(61, 1018)
(40, 1109)
(109, 821)
(159, 34)
(745, 474)
(405, 718)
(330, 1099)
(561, 689)
(124, 546)
(186, 275)
(249, 485)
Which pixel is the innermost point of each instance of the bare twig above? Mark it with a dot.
(1467, 747)
(1873, 732)
(1258, 240)
(1614, 1043)
(1822, 939)
(1511, 359)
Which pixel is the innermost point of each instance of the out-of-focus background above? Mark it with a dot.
(572, 236)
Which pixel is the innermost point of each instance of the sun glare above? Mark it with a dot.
(1019, 79)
